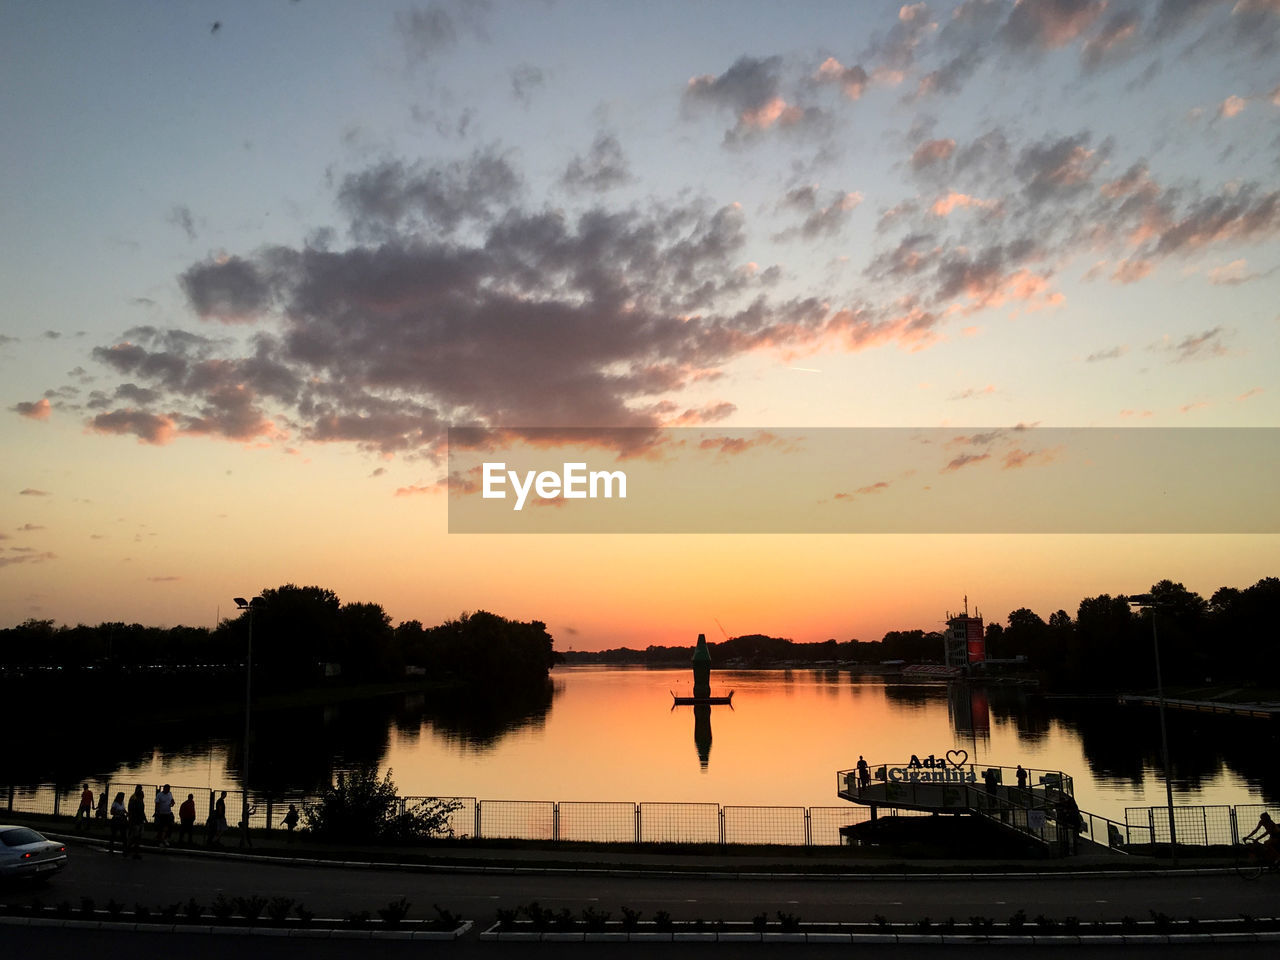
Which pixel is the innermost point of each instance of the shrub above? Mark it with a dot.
(394, 912)
(304, 915)
(193, 910)
(506, 919)
(363, 809)
(662, 920)
(789, 921)
(760, 922)
(279, 909)
(250, 907)
(222, 908)
(86, 907)
(630, 918)
(594, 920)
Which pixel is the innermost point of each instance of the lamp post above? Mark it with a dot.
(248, 605)
(1147, 602)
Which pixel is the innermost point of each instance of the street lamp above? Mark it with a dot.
(1147, 602)
(248, 605)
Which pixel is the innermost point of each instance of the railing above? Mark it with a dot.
(544, 820)
(1204, 826)
(627, 822)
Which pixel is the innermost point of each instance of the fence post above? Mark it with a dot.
(11, 798)
(1151, 825)
(720, 817)
(57, 799)
(477, 830)
(637, 823)
(555, 822)
(1235, 828)
(1204, 819)
(268, 811)
(808, 828)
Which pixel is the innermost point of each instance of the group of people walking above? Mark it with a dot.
(127, 819)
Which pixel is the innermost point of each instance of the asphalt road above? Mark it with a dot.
(163, 878)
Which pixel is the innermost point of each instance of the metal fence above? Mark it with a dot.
(1204, 826)
(626, 822)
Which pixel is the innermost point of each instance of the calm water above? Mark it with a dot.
(611, 734)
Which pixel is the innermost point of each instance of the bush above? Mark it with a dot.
(394, 912)
(363, 809)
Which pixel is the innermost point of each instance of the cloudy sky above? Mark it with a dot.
(259, 256)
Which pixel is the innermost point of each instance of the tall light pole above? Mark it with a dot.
(248, 605)
(1147, 602)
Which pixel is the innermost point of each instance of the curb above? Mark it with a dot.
(494, 935)
(640, 872)
(317, 931)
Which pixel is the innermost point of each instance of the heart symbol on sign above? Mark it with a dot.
(957, 757)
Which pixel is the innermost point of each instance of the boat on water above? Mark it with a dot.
(679, 701)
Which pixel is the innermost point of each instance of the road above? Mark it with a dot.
(329, 891)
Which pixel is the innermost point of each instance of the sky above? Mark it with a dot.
(259, 257)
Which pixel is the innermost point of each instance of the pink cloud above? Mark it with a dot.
(1248, 394)
(852, 80)
(944, 205)
(1131, 271)
(34, 411)
(1232, 106)
(931, 152)
(147, 427)
(965, 460)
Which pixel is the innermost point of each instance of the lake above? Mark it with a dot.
(610, 733)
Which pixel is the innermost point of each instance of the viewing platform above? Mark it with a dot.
(1038, 804)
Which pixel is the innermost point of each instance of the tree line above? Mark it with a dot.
(1107, 645)
(301, 636)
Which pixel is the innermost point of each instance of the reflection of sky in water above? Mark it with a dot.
(611, 734)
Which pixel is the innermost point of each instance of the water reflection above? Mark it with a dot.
(702, 732)
(610, 734)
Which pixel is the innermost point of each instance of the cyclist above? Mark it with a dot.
(1271, 845)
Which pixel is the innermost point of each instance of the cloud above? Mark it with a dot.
(435, 28)
(731, 446)
(965, 460)
(1231, 273)
(413, 490)
(822, 221)
(944, 206)
(1018, 458)
(226, 288)
(37, 410)
(180, 216)
(30, 527)
(163, 579)
(932, 152)
(1113, 354)
(525, 79)
(751, 90)
(973, 393)
(1131, 271)
(1113, 41)
(27, 558)
(147, 427)
(1232, 106)
(711, 413)
(1197, 346)
(603, 168)
(851, 80)
(1249, 394)
(1038, 25)
(32, 492)
(390, 198)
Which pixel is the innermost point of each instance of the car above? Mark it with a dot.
(25, 854)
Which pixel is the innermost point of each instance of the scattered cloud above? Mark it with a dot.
(1196, 346)
(525, 79)
(27, 558)
(164, 579)
(603, 168)
(180, 216)
(32, 492)
(1113, 354)
(965, 460)
(37, 410)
